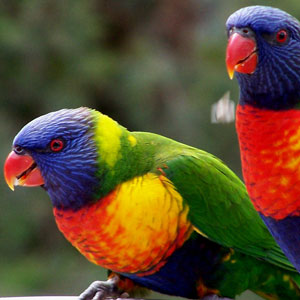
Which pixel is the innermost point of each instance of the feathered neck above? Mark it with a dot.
(263, 91)
(111, 155)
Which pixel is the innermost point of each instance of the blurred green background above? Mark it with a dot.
(151, 65)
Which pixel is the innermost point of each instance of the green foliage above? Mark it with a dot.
(152, 65)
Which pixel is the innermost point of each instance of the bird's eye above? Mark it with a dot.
(19, 150)
(56, 145)
(281, 36)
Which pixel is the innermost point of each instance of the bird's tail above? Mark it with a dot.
(281, 285)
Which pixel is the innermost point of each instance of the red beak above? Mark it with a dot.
(21, 170)
(241, 55)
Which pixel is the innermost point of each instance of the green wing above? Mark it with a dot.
(220, 208)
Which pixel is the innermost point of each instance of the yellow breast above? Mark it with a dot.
(132, 230)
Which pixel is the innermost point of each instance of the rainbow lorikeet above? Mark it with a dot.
(264, 52)
(158, 213)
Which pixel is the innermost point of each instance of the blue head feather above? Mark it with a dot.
(275, 84)
(69, 175)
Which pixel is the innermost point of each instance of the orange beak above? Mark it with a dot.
(241, 55)
(21, 170)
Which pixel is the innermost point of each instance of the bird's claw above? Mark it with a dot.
(100, 290)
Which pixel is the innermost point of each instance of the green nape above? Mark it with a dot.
(121, 155)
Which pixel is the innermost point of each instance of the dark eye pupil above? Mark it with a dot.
(19, 150)
(56, 145)
(281, 36)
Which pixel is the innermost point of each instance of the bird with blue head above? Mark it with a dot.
(263, 52)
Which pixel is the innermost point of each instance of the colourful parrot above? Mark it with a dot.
(264, 52)
(158, 213)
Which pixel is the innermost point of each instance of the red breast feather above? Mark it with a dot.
(270, 153)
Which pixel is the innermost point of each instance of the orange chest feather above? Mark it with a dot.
(270, 153)
(134, 229)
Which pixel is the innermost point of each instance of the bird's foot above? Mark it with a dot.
(100, 290)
